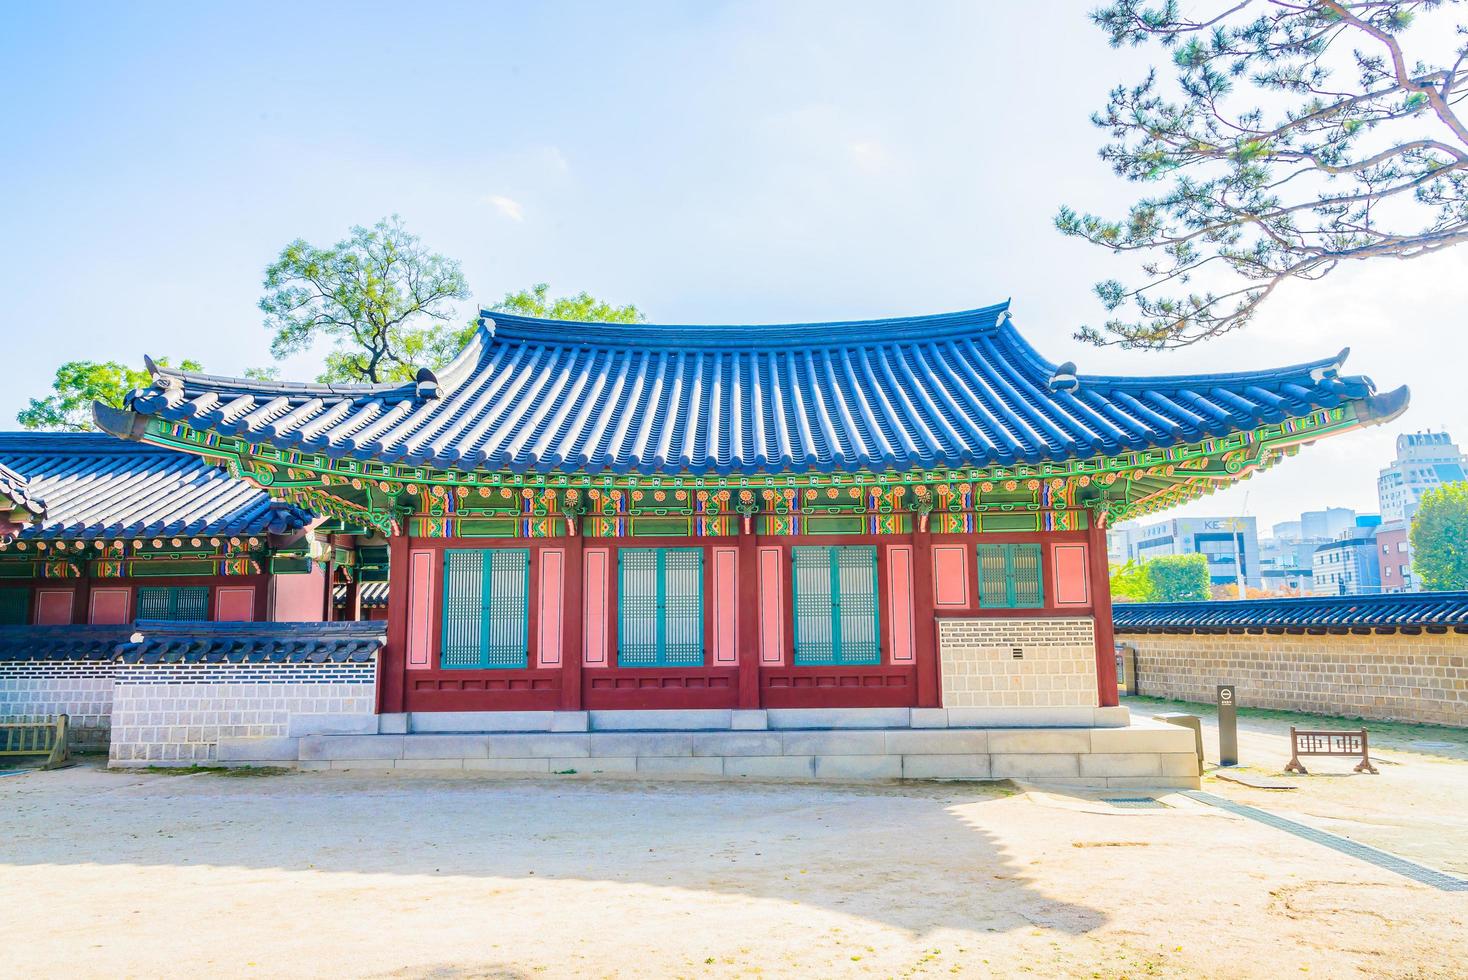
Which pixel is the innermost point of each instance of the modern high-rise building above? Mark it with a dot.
(1349, 565)
(1425, 460)
(1287, 558)
(1224, 541)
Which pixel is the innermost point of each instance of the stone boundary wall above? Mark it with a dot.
(175, 714)
(1384, 677)
(1056, 666)
(81, 689)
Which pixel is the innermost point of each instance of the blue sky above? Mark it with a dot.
(710, 162)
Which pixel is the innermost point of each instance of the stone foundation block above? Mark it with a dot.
(1121, 764)
(429, 764)
(1035, 742)
(642, 744)
(928, 717)
(771, 767)
(446, 747)
(1170, 738)
(1032, 765)
(737, 743)
(937, 742)
(325, 748)
(590, 767)
(508, 765)
(570, 721)
(392, 724)
(692, 719)
(547, 746)
(331, 724)
(858, 767)
(690, 766)
(833, 743)
(1117, 716)
(1005, 717)
(945, 767)
(749, 720)
(279, 748)
(431, 722)
(839, 717)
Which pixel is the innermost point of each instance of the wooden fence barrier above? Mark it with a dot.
(47, 737)
(1345, 744)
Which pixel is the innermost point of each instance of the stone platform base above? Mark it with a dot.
(1133, 756)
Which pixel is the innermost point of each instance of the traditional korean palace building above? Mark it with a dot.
(98, 531)
(904, 515)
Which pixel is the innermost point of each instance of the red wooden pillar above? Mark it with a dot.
(573, 623)
(1101, 609)
(392, 663)
(747, 574)
(924, 614)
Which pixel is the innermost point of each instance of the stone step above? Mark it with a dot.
(1139, 755)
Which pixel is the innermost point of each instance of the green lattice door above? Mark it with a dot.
(834, 591)
(15, 607)
(486, 608)
(173, 603)
(660, 607)
(1010, 577)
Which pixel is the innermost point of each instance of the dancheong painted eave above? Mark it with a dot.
(951, 390)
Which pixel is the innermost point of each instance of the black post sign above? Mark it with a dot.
(1228, 726)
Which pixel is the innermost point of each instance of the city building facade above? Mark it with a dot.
(1231, 545)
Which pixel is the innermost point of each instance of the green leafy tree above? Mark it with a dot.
(79, 383)
(537, 301)
(1440, 538)
(385, 301)
(1298, 134)
(1179, 578)
(1131, 583)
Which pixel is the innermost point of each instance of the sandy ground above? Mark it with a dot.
(430, 875)
(1417, 807)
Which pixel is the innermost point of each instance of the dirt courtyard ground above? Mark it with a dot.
(426, 875)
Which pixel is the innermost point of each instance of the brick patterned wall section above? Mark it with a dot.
(1383, 677)
(81, 689)
(979, 669)
(172, 714)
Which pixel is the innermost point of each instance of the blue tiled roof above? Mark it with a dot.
(948, 390)
(169, 642)
(1402, 610)
(372, 595)
(16, 492)
(91, 485)
(27, 643)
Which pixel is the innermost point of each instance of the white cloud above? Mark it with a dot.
(507, 206)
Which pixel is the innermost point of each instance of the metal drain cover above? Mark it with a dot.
(1135, 802)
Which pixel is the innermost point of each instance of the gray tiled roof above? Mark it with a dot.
(167, 642)
(1399, 610)
(94, 485)
(27, 643)
(955, 389)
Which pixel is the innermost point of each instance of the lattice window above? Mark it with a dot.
(660, 607)
(173, 603)
(835, 596)
(486, 608)
(1010, 577)
(15, 607)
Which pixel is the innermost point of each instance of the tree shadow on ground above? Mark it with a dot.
(913, 856)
